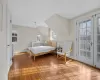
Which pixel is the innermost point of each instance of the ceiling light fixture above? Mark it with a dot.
(35, 25)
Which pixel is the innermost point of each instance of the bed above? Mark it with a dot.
(41, 50)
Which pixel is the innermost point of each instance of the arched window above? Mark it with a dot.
(52, 35)
(38, 38)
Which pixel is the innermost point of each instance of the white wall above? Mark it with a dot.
(44, 31)
(3, 47)
(60, 26)
(25, 36)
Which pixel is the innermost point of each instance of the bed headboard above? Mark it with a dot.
(52, 43)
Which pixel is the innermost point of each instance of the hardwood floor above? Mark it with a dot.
(48, 67)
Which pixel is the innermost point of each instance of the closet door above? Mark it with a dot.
(97, 41)
(85, 40)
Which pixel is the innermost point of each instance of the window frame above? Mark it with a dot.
(53, 35)
(14, 36)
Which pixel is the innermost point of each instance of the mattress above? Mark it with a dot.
(40, 49)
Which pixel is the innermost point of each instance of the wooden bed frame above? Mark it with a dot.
(51, 43)
(39, 54)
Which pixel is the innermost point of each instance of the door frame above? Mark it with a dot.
(9, 37)
(96, 64)
(77, 39)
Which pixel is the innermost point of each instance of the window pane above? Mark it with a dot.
(98, 57)
(83, 38)
(98, 29)
(84, 25)
(88, 54)
(99, 21)
(14, 39)
(84, 31)
(82, 46)
(89, 37)
(81, 32)
(88, 47)
(81, 25)
(38, 37)
(53, 36)
(98, 48)
(82, 41)
(98, 39)
(89, 23)
(88, 31)
(83, 53)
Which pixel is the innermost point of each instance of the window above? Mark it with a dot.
(52, 35)
(38, 38)
(14, 37)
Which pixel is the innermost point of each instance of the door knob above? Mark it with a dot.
(8, 45)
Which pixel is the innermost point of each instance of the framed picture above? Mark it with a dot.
(14, 37)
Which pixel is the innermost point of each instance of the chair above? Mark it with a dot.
(66, 49)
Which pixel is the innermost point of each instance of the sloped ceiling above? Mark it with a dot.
(26, 12)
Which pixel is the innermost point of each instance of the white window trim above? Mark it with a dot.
(51, 35)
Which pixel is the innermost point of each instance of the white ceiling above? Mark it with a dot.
(26, 12)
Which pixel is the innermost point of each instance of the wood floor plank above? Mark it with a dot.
(48, 67)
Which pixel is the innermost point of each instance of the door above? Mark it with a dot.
(97, 41)
(85, 40)
(9, 39)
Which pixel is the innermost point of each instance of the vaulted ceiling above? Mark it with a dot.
(26, 12)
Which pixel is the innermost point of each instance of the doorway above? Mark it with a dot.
(97, 41)
(85, 40)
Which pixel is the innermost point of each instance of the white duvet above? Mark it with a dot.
(40, 49)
